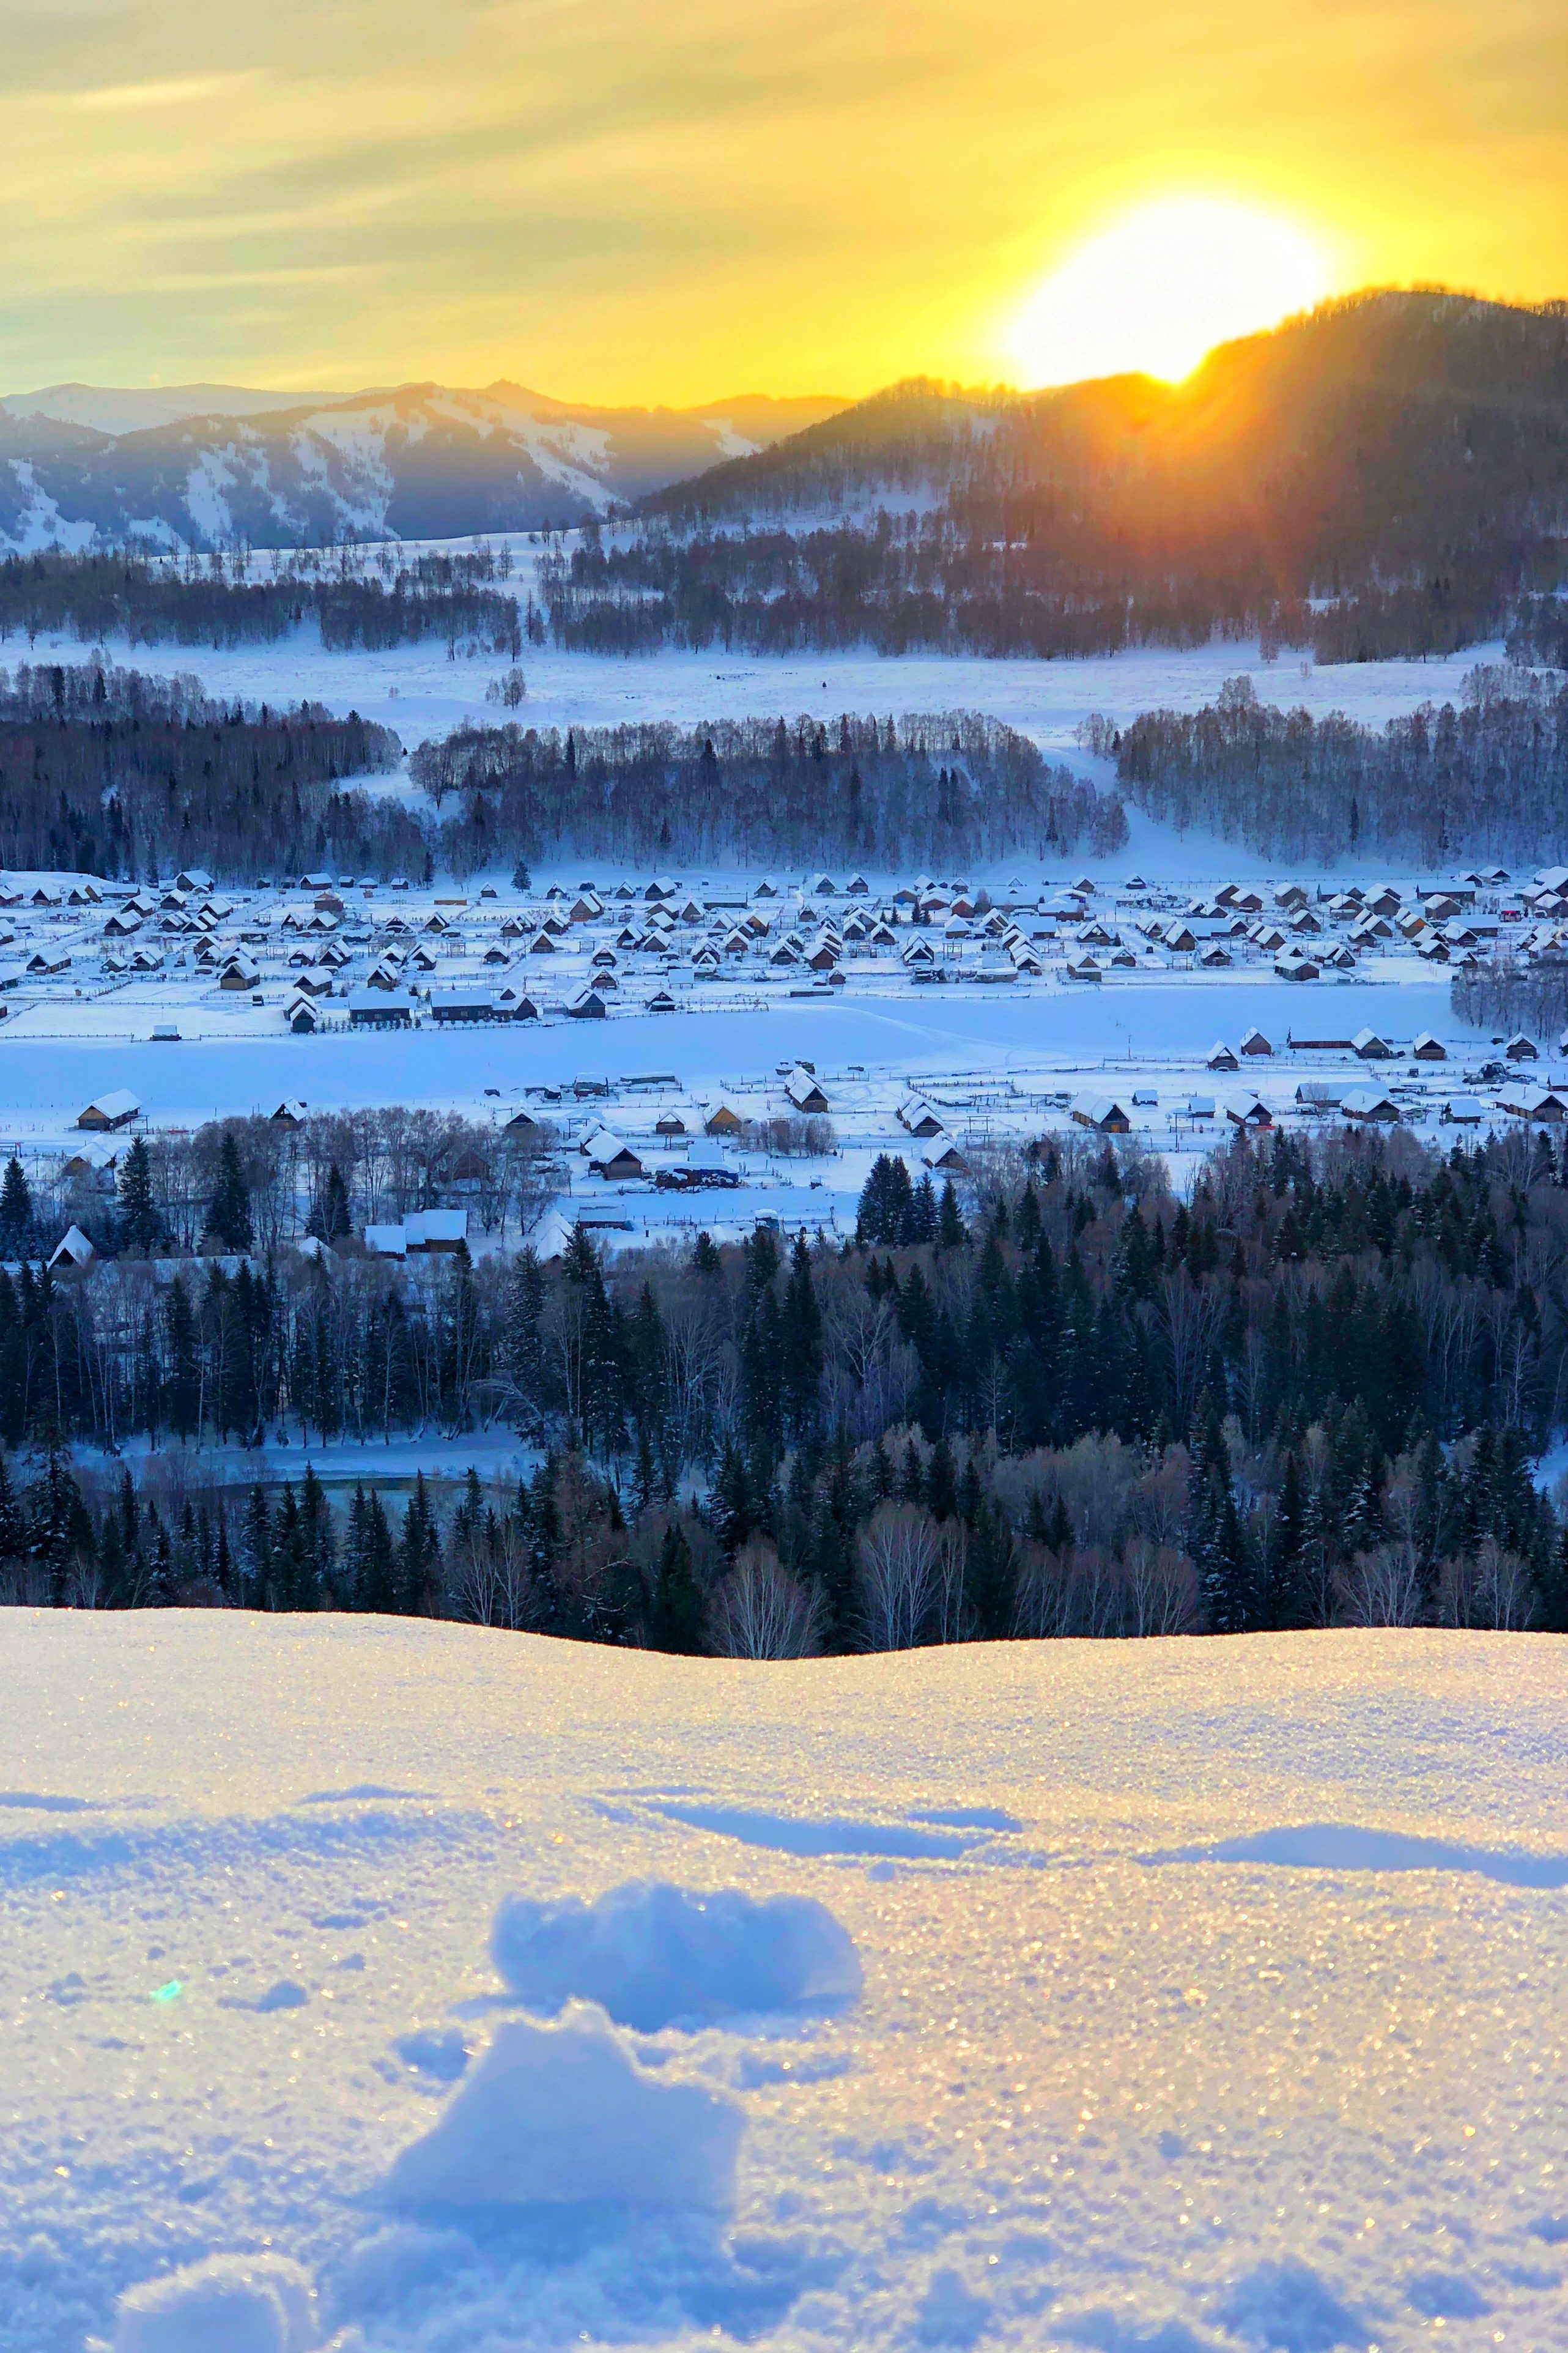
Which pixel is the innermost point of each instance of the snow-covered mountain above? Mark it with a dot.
(80, 467)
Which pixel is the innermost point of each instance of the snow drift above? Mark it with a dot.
(653, 1955)
(564, 2115)
(230, 2303)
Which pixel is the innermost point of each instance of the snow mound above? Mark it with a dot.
(1287, 2307)
(563, 2115)
(651, 1955)
(1343, 1846)
(243, 2304)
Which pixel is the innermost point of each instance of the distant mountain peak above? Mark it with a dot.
(205, 465)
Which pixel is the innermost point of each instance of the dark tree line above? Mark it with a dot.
(945, 582)
(225, 601)
(1506, 996)
(109, 772)
(949, 785)
(106, 772)
(1068, 1403)
(1489, 779)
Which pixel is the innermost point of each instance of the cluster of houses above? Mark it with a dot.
(324, 949)
(1353, 1098)
(1309, 933)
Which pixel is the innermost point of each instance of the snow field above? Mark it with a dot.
(1210, 1993)
(419, 693)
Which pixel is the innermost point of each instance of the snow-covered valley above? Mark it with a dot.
(1208, 1993)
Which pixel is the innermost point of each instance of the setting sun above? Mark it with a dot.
(1159, 287)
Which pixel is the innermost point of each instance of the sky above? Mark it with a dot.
(669, 200)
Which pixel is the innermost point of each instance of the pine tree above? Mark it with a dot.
(802, 1345)
(228, 1219)
(733, 1518)
(941, 1482)
(950, 1231)
(13, 1526)
(292, 1584)
(112, 1562)
(15, 1212)
(1216, 1541)
(991, 1575)
(59, 1529)
(419, 1553)
(182, 1403)
(255, 1551)
(674, 1616)
(522, 1342)
(923, 1215)
(140, 1222)
(832, 1571)
(761, 1386)
(318, 1542)
(336, 1208)
(1284, 1601)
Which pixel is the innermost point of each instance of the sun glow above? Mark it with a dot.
(1159, 287)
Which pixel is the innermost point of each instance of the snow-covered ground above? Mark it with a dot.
(1183, 1996)
(418, 691)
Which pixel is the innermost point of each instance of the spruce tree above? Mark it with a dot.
(15, 1212)
(941, 1482)
(318, 1542)
(256, 1552)
(522, 1342)
(674, 1614)
(228, 1219)
(733, 1518)
(419, 1553)
(950, 1231)
(991, 1575)
(291, 1567)
(13, 1526)
(336, 1207)
(182, 1403)
(802, 1343)
(59, 1528)
(1216, 1540)
(1285, 1601)
(139, 1219)
(923, 1214)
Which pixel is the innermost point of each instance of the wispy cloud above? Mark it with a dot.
(146, 97)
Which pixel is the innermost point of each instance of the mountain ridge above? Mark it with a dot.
(410, 461)
(1397, 458)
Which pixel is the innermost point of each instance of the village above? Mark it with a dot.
(169, 961)
(312, 970)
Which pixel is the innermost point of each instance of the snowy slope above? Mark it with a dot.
(416, 463)
(1210, 1993)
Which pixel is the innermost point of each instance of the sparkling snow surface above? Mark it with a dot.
(1210, 1994)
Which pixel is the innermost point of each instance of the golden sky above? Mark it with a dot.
(672, 199)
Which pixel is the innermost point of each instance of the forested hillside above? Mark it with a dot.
(1069, 1404)
(945, 786)
(106, 772)
(1487, 780)
(240, 599)
(1401, 458)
